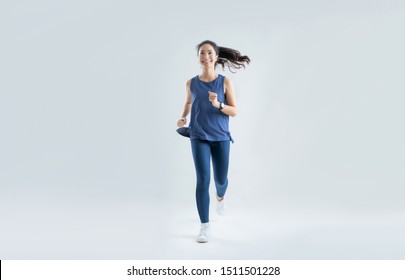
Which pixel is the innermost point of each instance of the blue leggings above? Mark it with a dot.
(202, 152)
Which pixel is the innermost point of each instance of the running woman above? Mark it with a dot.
(211, 99)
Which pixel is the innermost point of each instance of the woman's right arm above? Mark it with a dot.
(187, 106)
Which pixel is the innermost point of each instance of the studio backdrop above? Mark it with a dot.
(91, 166)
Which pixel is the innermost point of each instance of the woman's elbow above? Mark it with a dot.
(233, 113)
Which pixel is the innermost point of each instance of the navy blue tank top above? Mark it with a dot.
(208, 122)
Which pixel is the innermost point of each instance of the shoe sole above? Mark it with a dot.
(202, 241)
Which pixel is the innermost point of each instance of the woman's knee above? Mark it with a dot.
(221, 182)
(203, 182)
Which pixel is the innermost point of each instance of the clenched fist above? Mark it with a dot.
(181, 122)
(213, 97)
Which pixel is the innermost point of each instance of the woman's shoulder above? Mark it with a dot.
(227, 80)
(191, 79)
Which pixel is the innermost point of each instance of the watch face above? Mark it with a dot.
(222, 105)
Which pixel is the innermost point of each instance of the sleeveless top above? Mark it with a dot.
(208, 122)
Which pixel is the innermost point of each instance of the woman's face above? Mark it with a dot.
(207, 56)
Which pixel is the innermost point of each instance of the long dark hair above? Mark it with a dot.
(227, 56)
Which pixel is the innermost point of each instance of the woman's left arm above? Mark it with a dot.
(230, 107)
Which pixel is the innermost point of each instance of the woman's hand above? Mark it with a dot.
(213, 97)
(181, 122)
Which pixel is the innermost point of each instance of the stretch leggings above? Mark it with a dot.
(202, 152)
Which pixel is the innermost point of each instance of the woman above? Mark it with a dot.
(211, 99)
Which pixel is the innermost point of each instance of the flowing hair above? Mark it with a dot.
(227, 56)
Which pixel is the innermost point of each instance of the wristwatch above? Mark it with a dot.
(221, 106)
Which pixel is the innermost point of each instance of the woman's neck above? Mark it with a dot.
(208, 75)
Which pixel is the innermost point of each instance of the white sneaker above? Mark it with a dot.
(204, 234)
(221, 207)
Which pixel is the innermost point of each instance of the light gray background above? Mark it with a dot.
(91, 166)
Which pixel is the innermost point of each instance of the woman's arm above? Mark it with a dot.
(187, 106)
(230, 108)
